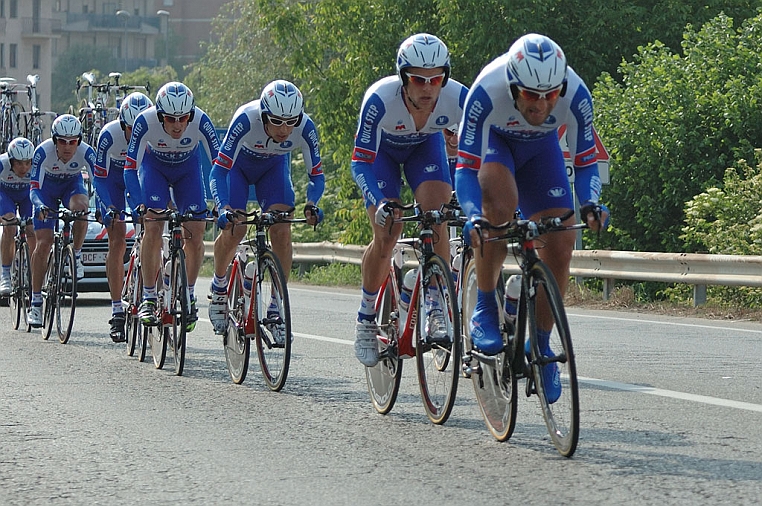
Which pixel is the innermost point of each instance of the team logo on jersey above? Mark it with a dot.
(443, 121)
(185, 141)
(161, 144)
(552, 120)
(400, 126)
(430, 168)
(74, 165)
(557, 192)
(286, 144)
(381, 185)
(155, 198)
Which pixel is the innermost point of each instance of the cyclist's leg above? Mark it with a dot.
(7, 243)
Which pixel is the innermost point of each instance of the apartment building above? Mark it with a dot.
(137, 32)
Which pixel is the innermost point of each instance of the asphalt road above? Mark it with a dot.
(671, 414)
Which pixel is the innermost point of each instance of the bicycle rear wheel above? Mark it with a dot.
(67, 294)
(131, 294)
(273, 329)
(49, 296)
(177, 330)
(237, 345)
(385, 377)
(561, 414)
(493, 378)
(438, 356)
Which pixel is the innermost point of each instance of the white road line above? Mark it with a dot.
(638, 320)
(626, 387)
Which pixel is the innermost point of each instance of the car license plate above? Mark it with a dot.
(93, 258)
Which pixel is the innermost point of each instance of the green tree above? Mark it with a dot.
(674, 124)
(70, 65)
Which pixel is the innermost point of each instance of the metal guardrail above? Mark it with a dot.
(699, 270)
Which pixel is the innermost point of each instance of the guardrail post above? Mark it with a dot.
(608, 287)
(699, 295)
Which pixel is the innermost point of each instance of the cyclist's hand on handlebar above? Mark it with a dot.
(42, 213)
(226, 220)
(383, 212)
(313, 214)
(595, 215)
(473, 231)
(109, 218)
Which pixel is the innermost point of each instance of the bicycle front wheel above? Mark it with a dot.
(237, 345)
(273, 329)
(49, 296)
(67, 294)
(554, 373)
(385, 377)
(492, 377)
(21, 287)
(178, 308)
(438, 340)
(156, 337)
(132, 291)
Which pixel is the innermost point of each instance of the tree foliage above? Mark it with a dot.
(674, 124)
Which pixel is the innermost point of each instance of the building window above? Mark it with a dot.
(14, 9)
(2, 56)
(2, 8)
(36, 52)
(12, 48)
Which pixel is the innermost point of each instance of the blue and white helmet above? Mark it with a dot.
(425, 51)
(132, 105)
(175, 99)
(536, 62)
(66, 125)
(282, 99)
(20, 148)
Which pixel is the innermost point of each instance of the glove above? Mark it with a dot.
(313, 210)
(108, 219)
(596, 209)
(382, 213)
(224, 219)
(473, 224)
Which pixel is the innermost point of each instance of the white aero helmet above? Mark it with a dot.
(425, 51)
(66, 125)
(20, 148)
(282, 99)
(132, 105)
(536, 62)
(175, 99)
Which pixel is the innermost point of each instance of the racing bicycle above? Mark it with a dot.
(495, 377)
(20, 297)
(132, 293)
(401, 332)
(262, 311)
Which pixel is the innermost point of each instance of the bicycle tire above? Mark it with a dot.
(142, 343)
(7, 129)
(49, 295)
(237, 344)
(438, 361)
(19, 127)
(131, 294)
(66, 304)
(156, 338)
(179, 306)
(274, 357)
(20, 286)
(561, 416)
(494, 383)
(384, 378)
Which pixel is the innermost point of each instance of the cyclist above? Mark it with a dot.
(451, 147)
(400, 129)
(110, 195)
(165, 145)
(57, 168)
(257, 151)
(509, 155)
(15, 176)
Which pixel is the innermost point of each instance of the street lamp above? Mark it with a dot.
(125, 17)
(165, 22)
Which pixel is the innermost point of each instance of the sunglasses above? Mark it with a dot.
(176, 119)
(421, 80)
(533, 95)
(66, 142)
(275, 121)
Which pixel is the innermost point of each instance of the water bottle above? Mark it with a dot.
(512, 294)
(407, 290)
(167, 270)
(248, 276)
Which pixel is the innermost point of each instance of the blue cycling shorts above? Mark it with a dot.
(114, 185)
(9, 199)
(426, 161)
(271, 178)
(185, 178)
(55, 190)
(539, 168)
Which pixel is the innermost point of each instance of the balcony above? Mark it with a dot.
(87, 22)
(39, 28)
